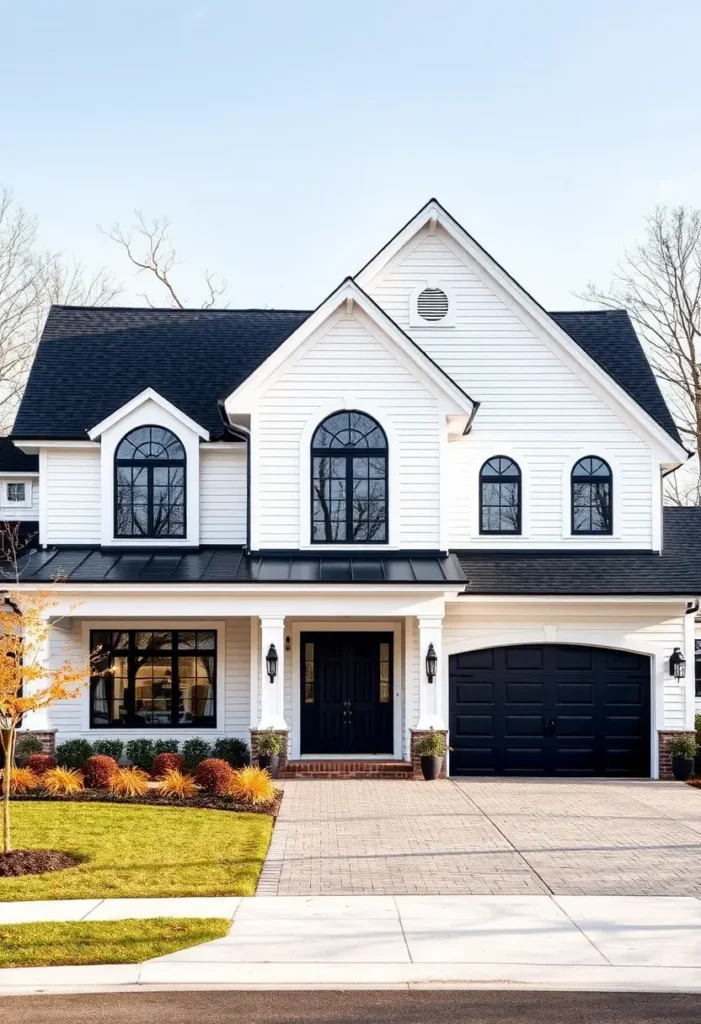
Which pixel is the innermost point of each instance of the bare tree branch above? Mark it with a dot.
(659, 283)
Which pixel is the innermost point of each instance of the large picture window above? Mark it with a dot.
(154, 679)
(150, 484)
(349, 480)
(500, 496)
(591, 496)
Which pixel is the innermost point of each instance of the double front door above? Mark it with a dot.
(346, 693)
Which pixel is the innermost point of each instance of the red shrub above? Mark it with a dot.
(40, 763)
(214, 775)
(163, 763)
(98, 770)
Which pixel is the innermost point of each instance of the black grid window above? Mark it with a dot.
(349, 481)
(150, 484)
(150, 679)
(697, 666)
(500, 496)
(592, 485)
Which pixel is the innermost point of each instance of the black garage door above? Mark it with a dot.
(550, 709)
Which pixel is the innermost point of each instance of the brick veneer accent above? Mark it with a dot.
(416, 735)
(348, 770)
(664, 739)
(282, 733)
(46, 736)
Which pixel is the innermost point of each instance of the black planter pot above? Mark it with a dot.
(682, 767)
(271, 762)
(431, 767)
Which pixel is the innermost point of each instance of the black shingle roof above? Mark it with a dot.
(90, 361)
(233, 565)
(676, 571)
(12, 460)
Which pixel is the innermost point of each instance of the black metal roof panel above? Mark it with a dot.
(676, 571)
(12, 460)
(194, 358)
(231, 565)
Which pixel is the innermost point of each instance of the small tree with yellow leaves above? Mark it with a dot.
(27, 683)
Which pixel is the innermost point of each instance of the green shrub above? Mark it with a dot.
(195, 751)
(683, 746)
(141, 753)
(110, 748)
(234, 751)
(697, 727)
(268, 743)
(26, 746)
(431, 745)
(73, 753)
(165, 747)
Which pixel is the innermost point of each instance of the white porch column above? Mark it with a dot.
(272, 631)
(690, 655)
(431, 694)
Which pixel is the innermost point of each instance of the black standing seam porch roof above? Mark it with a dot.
(233, 565)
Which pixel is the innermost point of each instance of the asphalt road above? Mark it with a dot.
(350, 1007)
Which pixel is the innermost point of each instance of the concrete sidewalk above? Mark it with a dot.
(545, 942)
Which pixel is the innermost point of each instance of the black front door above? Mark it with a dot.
(346, 693)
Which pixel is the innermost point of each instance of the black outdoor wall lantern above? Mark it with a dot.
(431, 663)
(677, 664)
(271, 663)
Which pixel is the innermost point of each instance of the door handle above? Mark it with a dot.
(549, 726)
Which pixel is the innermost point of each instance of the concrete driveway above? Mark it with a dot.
(482, 836)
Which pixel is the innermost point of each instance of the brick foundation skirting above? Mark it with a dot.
(664, 739)
(46, 736)
(282, 733)
(416, 735)
(348, 770)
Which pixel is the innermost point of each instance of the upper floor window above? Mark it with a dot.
(150, 484)
(349, 480)
(16, 494)
(592, 484)
(500, 496)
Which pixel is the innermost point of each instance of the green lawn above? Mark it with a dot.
(139, 851)
(58, 943)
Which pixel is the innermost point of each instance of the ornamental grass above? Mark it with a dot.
(62, 782)
(128, 782)
(23, 780)
(178, 785)
(252, 785)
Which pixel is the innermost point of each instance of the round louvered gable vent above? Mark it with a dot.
(432, 304)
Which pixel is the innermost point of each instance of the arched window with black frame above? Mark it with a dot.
(500, 496)
(592, 491)
(149, 486)
(349, 480)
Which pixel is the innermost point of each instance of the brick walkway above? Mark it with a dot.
(475, 836)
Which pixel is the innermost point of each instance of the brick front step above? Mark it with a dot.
(347, 770)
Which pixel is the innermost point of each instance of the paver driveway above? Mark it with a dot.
(475, 836)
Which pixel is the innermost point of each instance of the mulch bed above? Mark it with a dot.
(34, 862)
(153, 799)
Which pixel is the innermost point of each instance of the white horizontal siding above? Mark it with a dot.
(347, 361)
(223, 496)
(72, 496)
(530, 400)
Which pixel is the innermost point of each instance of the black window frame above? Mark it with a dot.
(349, 453)
(149, 464)
(697, 666)
(130, 652)
(592, 480)
(501, 478)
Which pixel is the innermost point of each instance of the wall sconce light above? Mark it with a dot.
(271, 663)
(431, 663)
(677, 664)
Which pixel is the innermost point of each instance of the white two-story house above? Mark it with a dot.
(429, 503)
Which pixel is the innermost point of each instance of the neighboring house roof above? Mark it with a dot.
(676, 571)
(12, 460)
(232, 565)
(610, 338)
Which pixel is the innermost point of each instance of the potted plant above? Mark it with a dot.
(268, 745)
(431, 749)
(682, 750)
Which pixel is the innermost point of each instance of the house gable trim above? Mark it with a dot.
(148, 394)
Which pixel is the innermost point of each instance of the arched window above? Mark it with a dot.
(150, 484)
(592, 484)
(349, 480)
(500, 496)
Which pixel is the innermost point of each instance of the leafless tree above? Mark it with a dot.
(659, 283)
(148, 246)
(30, 280)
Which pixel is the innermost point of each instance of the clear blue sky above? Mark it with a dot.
(288, 141)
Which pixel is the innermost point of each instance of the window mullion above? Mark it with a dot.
(349, 502)
(175, 679)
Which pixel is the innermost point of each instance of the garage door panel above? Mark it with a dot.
(550, 709)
